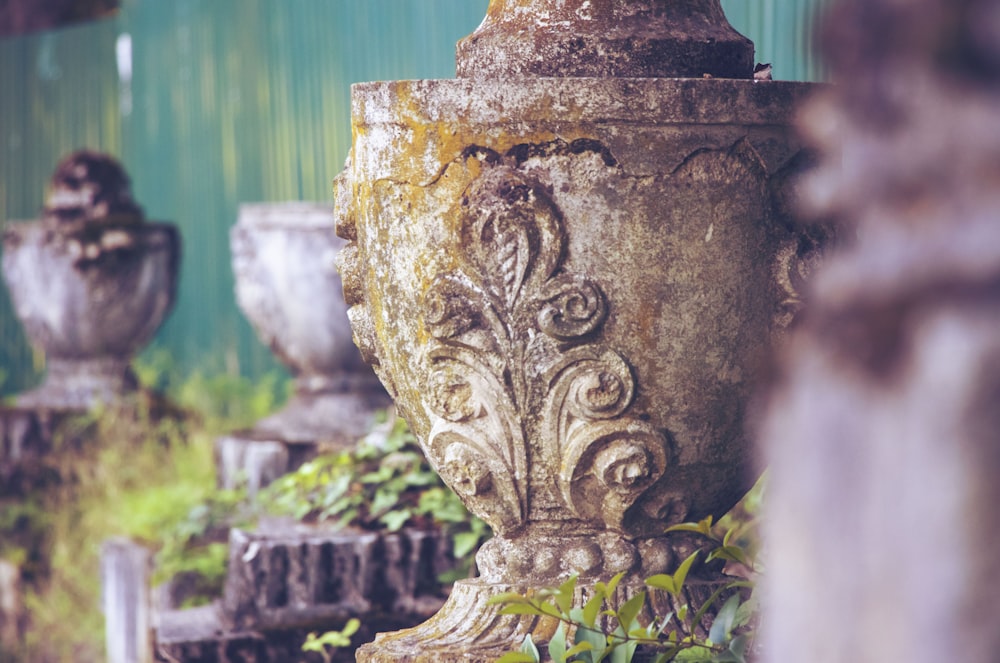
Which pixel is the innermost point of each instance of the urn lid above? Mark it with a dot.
(605, 39)
(89, 187)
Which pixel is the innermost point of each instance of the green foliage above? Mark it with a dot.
(142, 468)
(223, 401)
(328, 643)
(598, 631)
(384, 483)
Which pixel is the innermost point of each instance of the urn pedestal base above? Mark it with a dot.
(80, 384)
(471, 628)
(323, 416)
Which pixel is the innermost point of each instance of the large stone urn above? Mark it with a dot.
(567, 267)
(287, 285)
(91, 282)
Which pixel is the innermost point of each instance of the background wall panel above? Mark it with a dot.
(233, 101)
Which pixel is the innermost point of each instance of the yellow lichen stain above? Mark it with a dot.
(432, 145)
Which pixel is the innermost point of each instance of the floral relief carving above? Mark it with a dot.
(516, 369)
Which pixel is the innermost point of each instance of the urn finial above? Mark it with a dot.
(605, 39)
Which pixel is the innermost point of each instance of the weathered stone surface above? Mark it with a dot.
(882, 524)
(13, 618)
(26, 436)
(287, 285)
(286, 575)
(199, 635)
(605, 38)
(90, 282)
(125, 568)
(569, 286)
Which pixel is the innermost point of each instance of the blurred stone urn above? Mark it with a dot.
(567, 267)
(91, 282)
(288, 287)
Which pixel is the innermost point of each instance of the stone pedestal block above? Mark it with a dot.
(286, 579)
(288, 576)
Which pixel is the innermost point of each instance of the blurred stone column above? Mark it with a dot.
(883, 432)
(127, 609)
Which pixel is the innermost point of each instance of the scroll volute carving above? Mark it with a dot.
(517, 369)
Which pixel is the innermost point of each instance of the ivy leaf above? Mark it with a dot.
(383, 501)
(351, 627)
(394, 520)
(463, 543)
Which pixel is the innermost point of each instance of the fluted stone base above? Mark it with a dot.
(80, 384)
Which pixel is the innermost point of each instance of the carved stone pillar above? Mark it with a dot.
(568, 285)
(882, 433)
(91, 282)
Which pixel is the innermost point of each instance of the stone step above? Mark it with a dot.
(288, 574)
(286, 579)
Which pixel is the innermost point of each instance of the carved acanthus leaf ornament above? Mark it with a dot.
(518, 371)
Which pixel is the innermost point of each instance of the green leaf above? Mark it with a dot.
(595, 639)
(722, 626)
(517, 657)
(557, 645)
(464, 543)
(694, 655)
(613, 584)
(663, 581)
(732, 554)
(564, 595)
(630, 610)
(351, 627)
(682, 571)
(578, 648)
(738, 647)
(507, 597)
(550, 609)
(591, 609)
(703, 526)
(747, 611)
(663, 624)
(521, 609)
(528, 647)
(394, 520)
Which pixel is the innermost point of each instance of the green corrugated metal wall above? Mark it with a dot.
(238, 101)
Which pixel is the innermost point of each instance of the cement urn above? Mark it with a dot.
(567, 267)
(91, 282)
(287, 285)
